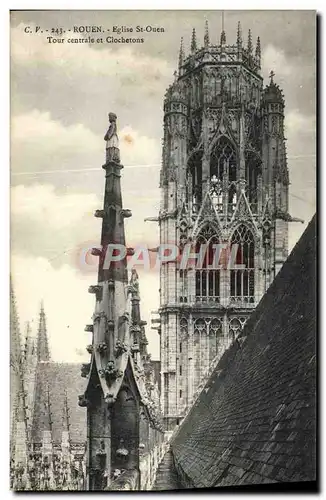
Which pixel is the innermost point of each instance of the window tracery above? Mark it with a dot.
(223, 157)
(235, 328)
(242, 280)
(207, 276)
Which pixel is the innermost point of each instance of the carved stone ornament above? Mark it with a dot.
(111, 372)
(120, 348)
(90, 348)
(82, 400)
(102, 347)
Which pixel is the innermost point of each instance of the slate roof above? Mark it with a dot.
(59, 377)
(255, 420)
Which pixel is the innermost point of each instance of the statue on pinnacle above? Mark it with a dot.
(112, 140)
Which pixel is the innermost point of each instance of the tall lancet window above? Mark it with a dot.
(242, 280)
(223, 157)
(207, 273)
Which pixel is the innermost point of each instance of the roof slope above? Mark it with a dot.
(254, 421)
(59, 379)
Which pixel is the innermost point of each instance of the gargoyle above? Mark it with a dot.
(85, 367)
(82, 400)
(102, 347)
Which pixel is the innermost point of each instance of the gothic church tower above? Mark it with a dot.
(224, 180)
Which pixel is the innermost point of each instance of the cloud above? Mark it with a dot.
(42, 205)
(137, 149)
(297, 123)
(53, 225)
(68, 305)
(275, 59)
(40, 143)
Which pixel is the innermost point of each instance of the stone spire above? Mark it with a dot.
(258, 51)
(65, 414)
(206, 36)
(113, 232)
(239, 35)
(42, 346)
(223, 35)
(223, 38)
(193, 46)
(15, 336)
(47, 481)
(16, 367)
(48, 412)
(22, 480)
(137, 328)
(249, 45)
(181, 54)
(65, 444)
(29, 347)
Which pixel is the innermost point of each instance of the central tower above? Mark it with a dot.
(224, 180)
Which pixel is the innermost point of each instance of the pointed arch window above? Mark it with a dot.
(207, 276)
(200, 340)
(235, 327)
(215, 337)
(242, 280)
(223, 158)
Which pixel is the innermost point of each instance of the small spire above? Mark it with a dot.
(15, 336)
(206, 36)
(258, 49)
(239, 35)
(47, 404)
(223, 35)
(193, 41)
(181, 53)
(43, 353)
(65, 415)
(249, 47)
(28, 342)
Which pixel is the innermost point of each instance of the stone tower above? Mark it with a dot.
(224, 181)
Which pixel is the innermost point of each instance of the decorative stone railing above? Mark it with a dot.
(144, 478)
(148, 465)
(128, 480)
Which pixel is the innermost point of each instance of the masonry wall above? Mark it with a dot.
(255, 420)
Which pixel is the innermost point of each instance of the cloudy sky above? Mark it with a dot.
(60, 97)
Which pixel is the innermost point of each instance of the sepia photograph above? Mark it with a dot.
(163, 271)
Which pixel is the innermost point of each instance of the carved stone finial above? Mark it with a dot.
(181, 54)
(239, 35)
(249, 46)
(111, 372)
(271, 76)
(206, 36)
(193, 41)
(112, 140)
(120, 348)
(258, 50)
